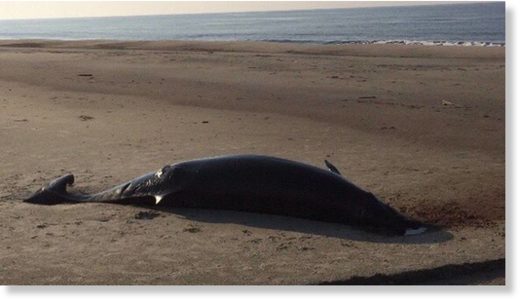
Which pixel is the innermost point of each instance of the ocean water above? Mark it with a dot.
(451, 24)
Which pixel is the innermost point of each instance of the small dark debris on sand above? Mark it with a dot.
(85, 75)
(191, 230)
(367, 97)
(22, 120)
(85, 118)
(146, 215)
(42, 226)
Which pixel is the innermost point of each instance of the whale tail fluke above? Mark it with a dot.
(53, 192)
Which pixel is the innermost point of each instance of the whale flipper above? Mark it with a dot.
(332, 168)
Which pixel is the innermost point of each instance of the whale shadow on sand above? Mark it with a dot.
(305, 226)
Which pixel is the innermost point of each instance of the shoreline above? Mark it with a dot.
(395, 42)
(359, 50)
(312, 42)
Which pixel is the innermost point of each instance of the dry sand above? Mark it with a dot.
(421, 127)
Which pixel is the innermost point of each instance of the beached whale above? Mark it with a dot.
(252, 183)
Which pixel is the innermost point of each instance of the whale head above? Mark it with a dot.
(384, 218)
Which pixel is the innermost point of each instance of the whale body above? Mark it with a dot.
(252, 183)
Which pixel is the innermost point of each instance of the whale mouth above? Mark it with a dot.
(416, 231)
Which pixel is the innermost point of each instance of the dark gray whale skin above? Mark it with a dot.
(252, 183)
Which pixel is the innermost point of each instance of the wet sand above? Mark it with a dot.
(421, 127)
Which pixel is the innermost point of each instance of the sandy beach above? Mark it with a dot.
(422, 127)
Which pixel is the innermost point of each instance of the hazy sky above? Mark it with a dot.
(48, 9)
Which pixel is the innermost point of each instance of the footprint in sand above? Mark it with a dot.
(282, 246)
(273, 238)
(347, 244)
